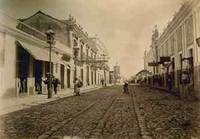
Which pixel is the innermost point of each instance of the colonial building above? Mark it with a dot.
(100, 62)
(25, 54)
(178, 47)
(24, 59)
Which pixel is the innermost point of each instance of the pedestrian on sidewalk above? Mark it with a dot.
(55, 84)
(47, 81)
(77, 85)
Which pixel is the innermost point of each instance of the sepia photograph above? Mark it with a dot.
(99, 69)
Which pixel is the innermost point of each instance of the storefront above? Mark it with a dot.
(31, 68)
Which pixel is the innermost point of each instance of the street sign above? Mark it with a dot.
(153, 64)
(165, 59)
(160, 62)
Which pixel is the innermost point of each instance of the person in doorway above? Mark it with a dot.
(38, 84)
(102, 82)
(55, 84)
(22, 85)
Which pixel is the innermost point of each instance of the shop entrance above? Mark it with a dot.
(68, 78)
(22, 67)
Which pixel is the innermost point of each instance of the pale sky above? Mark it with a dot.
(125, 26)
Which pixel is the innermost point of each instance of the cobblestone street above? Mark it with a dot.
(107, 69)
(107, 113)
(104, 113)
(166, 116)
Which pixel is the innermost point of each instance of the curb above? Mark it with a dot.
(141, 119)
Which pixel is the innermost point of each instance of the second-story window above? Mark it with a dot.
(179, 39)
(81, 51)
(189, 31)
(172, 44)
(87, 53)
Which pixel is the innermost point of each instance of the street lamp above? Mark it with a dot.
(50, 40)
(104, 66)
(198, 41)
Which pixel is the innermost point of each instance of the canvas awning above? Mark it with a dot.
(40, 53)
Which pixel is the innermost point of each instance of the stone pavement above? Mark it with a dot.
(18, 103)
(167, 116)
(102, 113)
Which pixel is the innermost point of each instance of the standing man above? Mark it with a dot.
(125, 87)
(47, 81)
(77, 86)
(55, 84)
(102, 82)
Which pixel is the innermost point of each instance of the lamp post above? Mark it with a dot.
(50, 40)
(104, 69)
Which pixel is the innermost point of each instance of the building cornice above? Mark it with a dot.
(71, 25)
(184, 11)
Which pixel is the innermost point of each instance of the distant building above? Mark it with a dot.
(117, 75)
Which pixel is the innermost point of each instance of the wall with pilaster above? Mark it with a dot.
(8, 72)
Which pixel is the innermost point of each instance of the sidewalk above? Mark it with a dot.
(19, 103)
(165, 89)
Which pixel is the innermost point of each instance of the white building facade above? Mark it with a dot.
(178, 41)
(24, 55)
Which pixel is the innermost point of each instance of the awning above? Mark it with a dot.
(40, 53)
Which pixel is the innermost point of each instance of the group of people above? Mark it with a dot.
(55, 82)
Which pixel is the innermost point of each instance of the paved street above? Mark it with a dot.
(107, 113)
(71, 69)
(104, 113)
(168, 117)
